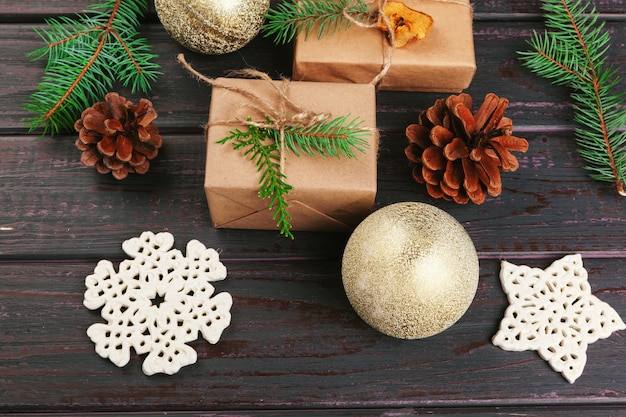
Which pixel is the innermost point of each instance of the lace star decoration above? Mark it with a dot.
(157, 303)
(553, 312)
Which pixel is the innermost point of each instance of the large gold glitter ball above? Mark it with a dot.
(410, 270)
(212, 27)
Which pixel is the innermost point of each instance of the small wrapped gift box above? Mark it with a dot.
(443, 61)
(329, 194)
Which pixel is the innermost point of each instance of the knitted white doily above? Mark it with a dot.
(553, 312)
(157, 303)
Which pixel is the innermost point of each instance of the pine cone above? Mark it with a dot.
(118, 137)
(459, 155)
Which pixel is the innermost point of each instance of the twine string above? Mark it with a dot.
(376, 18)
(285, 114)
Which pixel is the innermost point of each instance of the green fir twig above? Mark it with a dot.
(290, 18)
(337, 137)
(334, 138)
(572, 52)
(85, 56)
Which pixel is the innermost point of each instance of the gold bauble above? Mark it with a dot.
(212, 26)
(410, 270)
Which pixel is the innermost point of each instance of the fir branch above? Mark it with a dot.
(266, 158)
(572, 52)
(337, 137)
(85, 56)
(290, 18)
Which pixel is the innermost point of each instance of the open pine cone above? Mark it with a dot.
(459, 155)
(118, 137)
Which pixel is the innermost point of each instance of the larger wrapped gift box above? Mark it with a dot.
(329, 194)
(443, 61)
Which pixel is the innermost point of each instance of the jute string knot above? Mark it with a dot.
(279, 114)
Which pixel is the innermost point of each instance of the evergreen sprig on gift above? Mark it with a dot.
(290, 18)
(85, 56)
(572, 52)
(337, 137)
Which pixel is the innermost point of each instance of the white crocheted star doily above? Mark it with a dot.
(157, 303)
(553, 312)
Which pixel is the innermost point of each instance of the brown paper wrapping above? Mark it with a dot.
(329, 194)
(443, 61)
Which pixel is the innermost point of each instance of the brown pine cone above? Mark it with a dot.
(459, 155)
(118, 137)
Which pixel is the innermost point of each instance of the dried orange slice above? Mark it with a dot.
(407, 24)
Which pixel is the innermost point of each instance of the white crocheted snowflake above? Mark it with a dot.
(157, 302)
(553, 312)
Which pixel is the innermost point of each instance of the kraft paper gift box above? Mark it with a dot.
(329, 194)
(443, 61)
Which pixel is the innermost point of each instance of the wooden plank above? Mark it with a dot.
(183, 103)
(294, 343)
(53, 207)
(544, 411)
(36, 9)
(548, 205)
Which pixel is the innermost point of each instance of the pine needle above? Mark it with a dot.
(85, 56)
(290, 18)
(572, 52)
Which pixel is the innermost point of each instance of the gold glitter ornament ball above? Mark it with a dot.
(212, 27)
(410, 270)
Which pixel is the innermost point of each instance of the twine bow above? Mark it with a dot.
(284, 114)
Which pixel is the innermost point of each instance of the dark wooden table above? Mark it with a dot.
(295, 346)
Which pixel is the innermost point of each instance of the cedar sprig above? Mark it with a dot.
(337, 137)
(572, 52)
(85, 55)
(290, 18)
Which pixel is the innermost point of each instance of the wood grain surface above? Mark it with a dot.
(295, 346)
